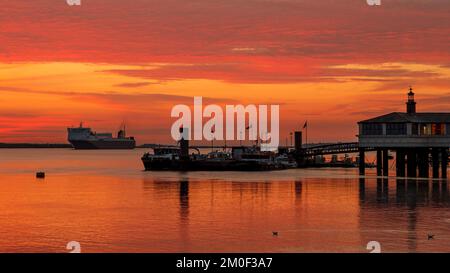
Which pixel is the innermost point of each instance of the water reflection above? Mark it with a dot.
(309, 213)
(400, 192)
(414, 198)
(410, 192)
(184, 200)
(382, 190)
(298, 189)
(362, 190)
(184, 214)
(111, 206)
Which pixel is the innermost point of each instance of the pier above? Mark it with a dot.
(418, 140)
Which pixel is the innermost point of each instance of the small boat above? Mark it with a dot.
(163, 158)
(286, 161)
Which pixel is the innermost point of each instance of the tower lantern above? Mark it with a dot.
(411, 104)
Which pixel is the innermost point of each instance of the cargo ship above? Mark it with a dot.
(83, 138)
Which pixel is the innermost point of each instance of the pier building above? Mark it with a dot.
(417, 138)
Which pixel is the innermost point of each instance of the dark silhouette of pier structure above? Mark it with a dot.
(418, 139)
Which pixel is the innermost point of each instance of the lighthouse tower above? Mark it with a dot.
(411, 104)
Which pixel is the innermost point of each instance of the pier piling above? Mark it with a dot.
(412, 163)
(444, 162)
(423, 163)
(362, 161)
(435, 162)
(385, 162)
(400, 163)
(379, 162)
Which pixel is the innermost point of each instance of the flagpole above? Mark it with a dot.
(306, 133)
(306, 127)
(212, 140)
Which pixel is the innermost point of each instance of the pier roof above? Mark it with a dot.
(400, 117)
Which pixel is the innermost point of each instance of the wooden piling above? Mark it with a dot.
(400, 163)
(385, 162)
(435, 162)
(444, 162)
(379, 162)
(412, 163)
(362, 161)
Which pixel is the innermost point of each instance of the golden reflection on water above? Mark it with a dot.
(136, 211)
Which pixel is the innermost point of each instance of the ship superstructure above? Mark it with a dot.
(86, 139)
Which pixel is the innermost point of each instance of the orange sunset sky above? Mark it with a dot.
(108, 61)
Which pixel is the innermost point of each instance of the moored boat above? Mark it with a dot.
(240, 159)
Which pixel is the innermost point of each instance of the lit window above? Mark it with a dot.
(425, 129)
(437, 129)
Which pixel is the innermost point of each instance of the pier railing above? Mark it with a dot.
(309, 150)
(335, 148)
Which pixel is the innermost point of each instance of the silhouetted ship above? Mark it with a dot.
(83, 138)
(178, 158)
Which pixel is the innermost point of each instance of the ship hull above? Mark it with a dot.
(207, 165)
(103, 144)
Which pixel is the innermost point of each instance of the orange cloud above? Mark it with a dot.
(109, 61)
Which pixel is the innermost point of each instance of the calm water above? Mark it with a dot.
(105, 201)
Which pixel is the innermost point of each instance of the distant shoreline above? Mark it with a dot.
(48, 146)
(33, 145)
